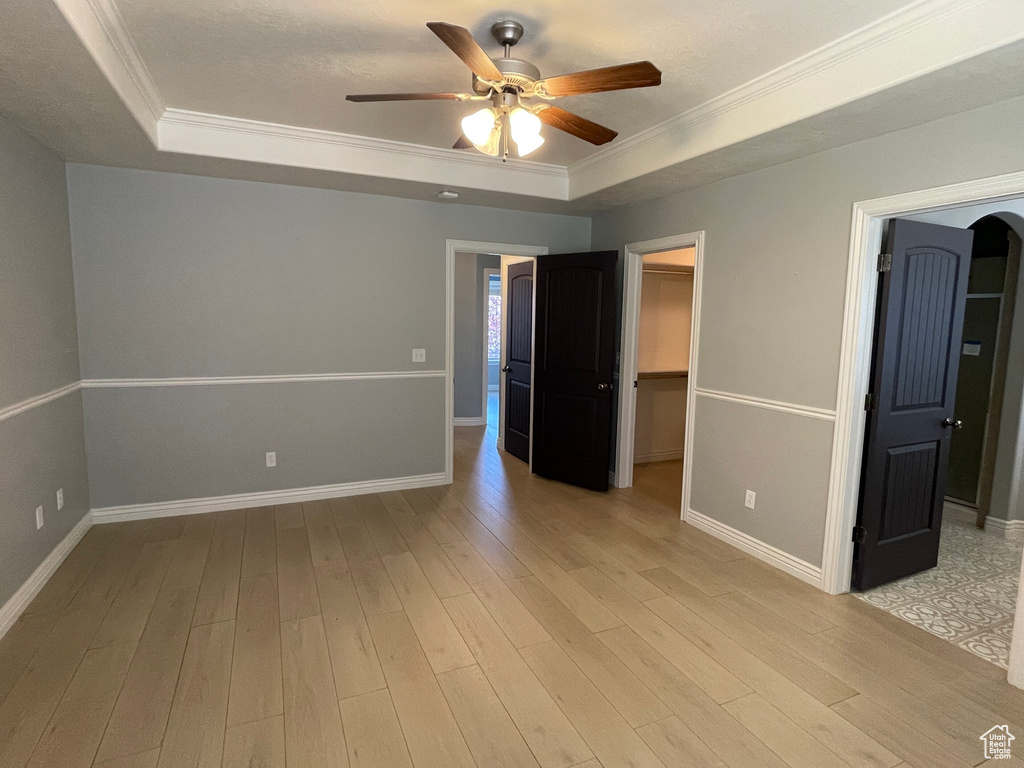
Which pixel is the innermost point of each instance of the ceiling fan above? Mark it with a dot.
(520, 98)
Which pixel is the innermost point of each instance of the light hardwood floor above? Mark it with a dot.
(502, 621)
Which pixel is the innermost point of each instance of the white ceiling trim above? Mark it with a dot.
(233, 138)
(100, 27)
(923, 37)
(909, 43)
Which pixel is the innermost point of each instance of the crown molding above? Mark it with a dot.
(931, 35)
(234, 138)
(918, 39)
(100, 27)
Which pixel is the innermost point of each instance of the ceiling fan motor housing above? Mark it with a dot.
(517, 73)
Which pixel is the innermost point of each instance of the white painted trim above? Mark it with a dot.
(100, 27)
(920, 38)
(34, 402)
(262, 498)
(19, 601)
(1006, 529)
(488, 271)
(451, 248)
(772, 405)
(648, 458)
(233, 138)
(781, 560)
(856, 347)
(470, 421)
(923, 37)
(206, 381)
(633, 256)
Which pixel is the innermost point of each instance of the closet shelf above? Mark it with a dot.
(666, 269)
(663, 374)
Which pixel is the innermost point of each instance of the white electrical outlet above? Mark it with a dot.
(748, 502)
(419, 355)
(60, 499)
(39, 518)
(271, 458)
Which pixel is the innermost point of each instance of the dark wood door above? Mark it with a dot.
(918, 333)
(518, 357)
(574, 357)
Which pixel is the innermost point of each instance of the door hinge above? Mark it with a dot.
(860, 534)
(871, 402)
(884, 262)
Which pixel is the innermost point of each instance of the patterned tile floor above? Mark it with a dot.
(968, 599)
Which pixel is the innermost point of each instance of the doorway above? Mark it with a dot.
(969, 598)
(663, 361)
(660, 321)
(492, 307)
(454, 321)
(515, 338)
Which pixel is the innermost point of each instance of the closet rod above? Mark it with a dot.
(648, 271)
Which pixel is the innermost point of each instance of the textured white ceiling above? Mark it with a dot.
(51, 87)
(293, 61)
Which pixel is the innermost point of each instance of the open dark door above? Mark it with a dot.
(573, 364)
(921, 297)
(519, 350)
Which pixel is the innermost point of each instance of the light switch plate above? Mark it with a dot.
(271, 458)
(60, 499)
(39, 518)
(748, 502)
(419, 355)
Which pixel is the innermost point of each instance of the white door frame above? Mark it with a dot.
(488, 271)
(451, 248)
(855, 361)
(854, 370)
(631, 289)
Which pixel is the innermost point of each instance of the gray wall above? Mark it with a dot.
(469, 331)
(777, 245)
(197, 277)
(42, 449)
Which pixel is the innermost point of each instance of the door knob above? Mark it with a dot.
(505, 369)
(954, 423)
(602, 387)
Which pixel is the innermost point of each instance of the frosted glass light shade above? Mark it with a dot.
(479, 126)
(525, 127)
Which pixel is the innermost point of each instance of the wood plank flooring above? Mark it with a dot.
(502, 621)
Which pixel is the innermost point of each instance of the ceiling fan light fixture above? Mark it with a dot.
(528, 144)
(525, 128)
(480, 126)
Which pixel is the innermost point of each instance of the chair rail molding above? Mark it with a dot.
(34, 402)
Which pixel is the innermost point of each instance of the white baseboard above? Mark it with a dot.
(470, 421)
(781, 560)
(1007, 529)
(647, 458)
(13, 608)
(262, 499)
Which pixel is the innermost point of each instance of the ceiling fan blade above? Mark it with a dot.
(578, 126)
(363, 97)
(639, 74)
(462, 143)
(466, 48)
